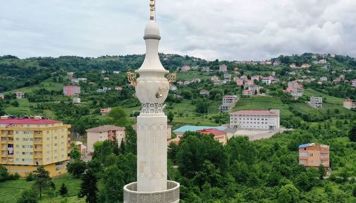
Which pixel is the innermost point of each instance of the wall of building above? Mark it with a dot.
(255, 122)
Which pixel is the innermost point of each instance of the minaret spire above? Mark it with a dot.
(152, 87)
(153, 10)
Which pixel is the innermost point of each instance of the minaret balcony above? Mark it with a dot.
(171, 195)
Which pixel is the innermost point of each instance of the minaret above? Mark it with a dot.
(152, 90)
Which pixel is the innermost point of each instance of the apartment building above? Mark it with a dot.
(295, 89)
(223, 68)
(316, 102)
(102, 133)
(314, 155)
(256, 119)
(71, 90)
(26, 143)
(228, 102)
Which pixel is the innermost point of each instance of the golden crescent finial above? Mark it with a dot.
(152, 9)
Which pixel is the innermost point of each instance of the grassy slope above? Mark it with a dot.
(263, 103)
(10, 191)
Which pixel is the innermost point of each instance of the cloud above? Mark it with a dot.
(224, 29)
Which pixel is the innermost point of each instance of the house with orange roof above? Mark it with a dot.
(219, 135)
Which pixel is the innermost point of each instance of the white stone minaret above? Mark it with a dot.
(152, 90)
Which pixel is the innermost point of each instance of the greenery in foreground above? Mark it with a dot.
(241, 171)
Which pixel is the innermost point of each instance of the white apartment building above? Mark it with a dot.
(228, 102)
(256, 119)
(316, 102)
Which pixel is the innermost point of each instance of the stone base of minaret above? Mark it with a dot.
(171, 195)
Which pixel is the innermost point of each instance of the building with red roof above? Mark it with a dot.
(26, 143)
(219, 135)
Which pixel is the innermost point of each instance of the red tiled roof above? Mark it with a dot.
(32, 121)
(256, 113)
(215, 132)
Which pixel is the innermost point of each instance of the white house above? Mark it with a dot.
(76, 100)
(223, 68)
(256, 119)
(228, 102)
(316, 102)
(20, 95)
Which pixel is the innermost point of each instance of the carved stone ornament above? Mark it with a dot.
(151, 108)
(171, 77)
(131, 77)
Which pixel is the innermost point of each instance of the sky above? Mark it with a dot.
(209, 29)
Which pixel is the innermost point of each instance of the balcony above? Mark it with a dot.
(36, 149)
(37, 155)
(171, 195)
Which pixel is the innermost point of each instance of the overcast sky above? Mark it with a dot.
(223, 29)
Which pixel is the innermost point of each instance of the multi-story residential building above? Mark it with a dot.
(227, 77)
(295, 89)
(228, 102)
(268, 80)
(71, 90)
(185, 68)
(223, 68)
(70, 75)
(20, 95)
(31, 142)
(314, 155)
(102, 133)
(316, 102)
(353, 83)
(349, 104)
(215, 80)
(239, 82)
(256, 119)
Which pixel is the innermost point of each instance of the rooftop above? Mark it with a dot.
(212, 131)
(312, 144)
(257, 112)
(105, 128)
(193, 128)
(30, 121)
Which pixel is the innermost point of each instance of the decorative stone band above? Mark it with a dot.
(157, 37)
(171, 195)
(152, 108)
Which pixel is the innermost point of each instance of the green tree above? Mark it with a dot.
(113, 179)
(170, 116)
(322, 172)
(201, 107)
(195, 149)
(76, 168)
(4, 175)
(88, 186)
(28, 196)
(352, 134)
(288, 194)
(74, 152)
(42, 179)
(63, 191)
(119, 116)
